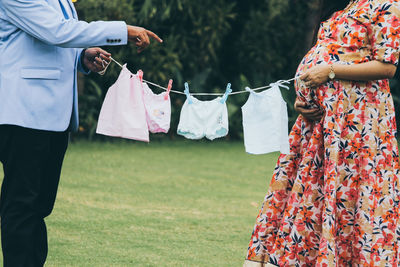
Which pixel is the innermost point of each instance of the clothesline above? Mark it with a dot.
(279, 83)
(132, 110)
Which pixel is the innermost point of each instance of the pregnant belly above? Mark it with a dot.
(305, 94)
(319, 55)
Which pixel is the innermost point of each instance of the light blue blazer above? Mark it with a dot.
(40, 46)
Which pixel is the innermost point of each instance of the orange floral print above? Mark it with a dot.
(334, 199)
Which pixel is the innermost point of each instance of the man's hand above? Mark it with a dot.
(141, 37)
(313, 114)
(96, 59)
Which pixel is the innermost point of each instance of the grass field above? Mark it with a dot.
(172, 203)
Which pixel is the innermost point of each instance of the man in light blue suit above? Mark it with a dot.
(42, 45)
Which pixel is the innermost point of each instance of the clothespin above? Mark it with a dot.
(280, 84)
(140, 75)
(187, 93)
(227, 92)
(168, 89)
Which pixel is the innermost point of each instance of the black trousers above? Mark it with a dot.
(32, 161)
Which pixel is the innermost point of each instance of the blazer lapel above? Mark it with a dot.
(72, 7)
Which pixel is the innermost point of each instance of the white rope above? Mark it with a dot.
(282, 82)
(161, 87)
(119, 64)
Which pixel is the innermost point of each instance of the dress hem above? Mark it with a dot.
(250, 263)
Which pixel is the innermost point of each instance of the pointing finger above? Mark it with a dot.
(154, 36)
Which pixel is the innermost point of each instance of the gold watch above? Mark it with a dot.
(332, 74)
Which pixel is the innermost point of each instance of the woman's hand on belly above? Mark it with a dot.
(311, 114)
(316, 76)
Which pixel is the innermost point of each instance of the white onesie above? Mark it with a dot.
(204, 118)
(265, 122)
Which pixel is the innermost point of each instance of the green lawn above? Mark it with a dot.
(172, 203)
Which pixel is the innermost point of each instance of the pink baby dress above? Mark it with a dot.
(158, 110)
(123, 112)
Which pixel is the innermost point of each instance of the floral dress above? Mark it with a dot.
(334, 199)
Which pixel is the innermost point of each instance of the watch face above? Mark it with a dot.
(332, 75)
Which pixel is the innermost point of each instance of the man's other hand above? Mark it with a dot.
(96, 59)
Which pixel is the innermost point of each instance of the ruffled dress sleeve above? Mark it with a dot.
(385, 30)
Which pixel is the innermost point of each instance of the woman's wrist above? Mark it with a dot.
(331, 73)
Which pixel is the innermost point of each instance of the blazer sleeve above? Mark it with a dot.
(42, 21)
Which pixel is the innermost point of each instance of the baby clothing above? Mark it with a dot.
(123, 112)
(130, 109)
(158, 110)
(204, 118)
(265, 122)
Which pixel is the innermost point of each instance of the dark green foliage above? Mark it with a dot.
(207, 43)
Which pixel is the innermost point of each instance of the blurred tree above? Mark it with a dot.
(193, 32)
(271, 37)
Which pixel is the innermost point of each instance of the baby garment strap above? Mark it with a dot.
(187, 93)
(250, 90)
(227, 93)
(140, 75)
(279, 84)
(168, 89)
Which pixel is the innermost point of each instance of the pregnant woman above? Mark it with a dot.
(334, 199)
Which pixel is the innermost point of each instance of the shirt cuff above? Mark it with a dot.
(81, 66)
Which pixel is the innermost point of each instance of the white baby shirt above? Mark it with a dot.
(265, 122)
